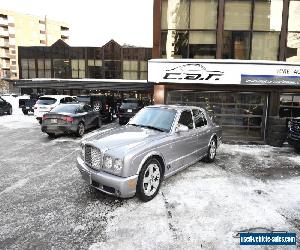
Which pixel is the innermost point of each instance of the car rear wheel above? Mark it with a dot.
(212, 151)
(51, 135)
(9, 111)
(99, 125)
(149, 180)
(80, 129)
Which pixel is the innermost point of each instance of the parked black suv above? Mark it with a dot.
(5, 107)
(102, 103)
(128, 109)
(27, 105)
(294, 133)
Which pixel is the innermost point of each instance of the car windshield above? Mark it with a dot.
(155, 118)
(129, 105)
(83, 98)
(46, 101)
(65, 108)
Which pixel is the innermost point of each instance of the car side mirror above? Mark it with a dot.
(181, 128)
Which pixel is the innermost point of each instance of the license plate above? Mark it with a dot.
(53, 120)
(27, 108)
(129, 110)
(86, 176)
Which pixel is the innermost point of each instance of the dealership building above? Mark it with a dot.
(195, 43)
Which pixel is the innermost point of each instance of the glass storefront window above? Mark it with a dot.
(289, 105)
(175, 44)
(203, 14)
(175, 14)
(202, 44)
(236, 45)
(143, 75)
(267, 15)
(294, 16)
(237, 15)
(265, 45)
(130, 75)
(143, 65)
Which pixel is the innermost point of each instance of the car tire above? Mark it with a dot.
(51, 135)
(25, 112)
(149, 181)
(121, 122)
(9, 111)
(99, 125)
(80, 129)
(211, 151)
(297, 149)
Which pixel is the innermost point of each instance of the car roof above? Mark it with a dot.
(176, 107)
(55, 96)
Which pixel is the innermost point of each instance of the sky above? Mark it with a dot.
(95, 22)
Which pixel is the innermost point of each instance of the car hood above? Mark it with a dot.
(126, 137)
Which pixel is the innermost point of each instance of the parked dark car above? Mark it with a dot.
(5, 107)
(70, 119)
(27, 105)
(104, 104)
(294, 133)
(128, 109)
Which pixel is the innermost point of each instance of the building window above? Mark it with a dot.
(175, 44)
(236, 45)
(78, 68)
(293, 39)
(61, 68)
(143, 70)
(175, 14)
(28, 68)
(94, 68)
(289, 105)
(237, 15)
(130, 69)
(112, 69)
(203, 14)
(265, 46)
(202, 44)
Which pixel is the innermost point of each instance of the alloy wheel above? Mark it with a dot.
(151, 179)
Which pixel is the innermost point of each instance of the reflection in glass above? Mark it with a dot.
(294, 16)
(202, 44)
(236, 45)
(203, 14)
(267, 15)
(175, 14)
(265, 46)
(237, 15)
(175, 44)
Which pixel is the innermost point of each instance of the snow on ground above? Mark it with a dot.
(205, 206)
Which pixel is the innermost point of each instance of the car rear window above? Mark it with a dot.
(83, 98)
(46, 101)
(66, 108)
(129, 104)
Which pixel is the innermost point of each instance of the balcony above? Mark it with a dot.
(4, 33)
(5, 65)
(3, 22)
(4, 43)
(4, 54)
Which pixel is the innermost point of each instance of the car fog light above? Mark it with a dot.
(108, 162)
(118, 164)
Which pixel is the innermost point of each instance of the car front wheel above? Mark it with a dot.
(149, 180)
(80, 129)
(212, 151)
(9, 112)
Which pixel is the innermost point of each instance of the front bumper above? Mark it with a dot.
(123, 187)
(293, 140)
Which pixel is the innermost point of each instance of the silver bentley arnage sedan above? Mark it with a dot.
(157, 142)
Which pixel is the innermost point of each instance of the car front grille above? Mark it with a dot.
(295, 127)
(93, 157)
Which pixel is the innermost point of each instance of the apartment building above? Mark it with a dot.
(17, 29)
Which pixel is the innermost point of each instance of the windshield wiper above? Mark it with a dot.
(146, 126)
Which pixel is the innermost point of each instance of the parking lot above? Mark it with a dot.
(44, 203)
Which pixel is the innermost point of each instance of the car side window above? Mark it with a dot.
(186, 119)
(199, 118)
(63, 100)
(87, 108)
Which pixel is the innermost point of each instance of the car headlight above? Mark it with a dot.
(289, 124)
(118, 164)
(107, 162)
(112, 164)
(82, 151)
